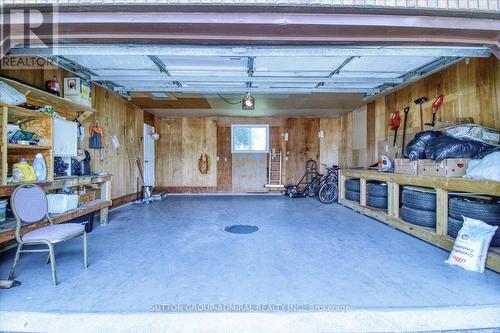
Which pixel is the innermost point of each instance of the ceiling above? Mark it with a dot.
(207, 80)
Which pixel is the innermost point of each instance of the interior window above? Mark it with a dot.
(249, 138)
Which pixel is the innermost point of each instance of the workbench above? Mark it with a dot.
(101, 203)
(442, 186)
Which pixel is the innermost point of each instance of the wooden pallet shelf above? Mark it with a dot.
(65, 107)
(12, 146)
(439, 235)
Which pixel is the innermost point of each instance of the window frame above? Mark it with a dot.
(266, 126)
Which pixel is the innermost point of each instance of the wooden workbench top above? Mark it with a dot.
(488, 187)
(60, 182)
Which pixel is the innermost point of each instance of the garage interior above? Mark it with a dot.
(172, 88)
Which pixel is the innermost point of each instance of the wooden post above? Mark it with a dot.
(341, 185)
(362, 191)
(105, 195)
(3, 146)
(441, 211)
(393, 199)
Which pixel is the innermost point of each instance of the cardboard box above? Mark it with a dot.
(385, 148)
(450, 168)
(405, 166)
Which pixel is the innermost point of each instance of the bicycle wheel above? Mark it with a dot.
(328, 193)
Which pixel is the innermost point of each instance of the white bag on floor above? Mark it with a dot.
(471, 245)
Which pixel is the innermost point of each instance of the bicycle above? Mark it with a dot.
(328, 192)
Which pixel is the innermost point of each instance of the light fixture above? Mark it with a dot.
(248, 102)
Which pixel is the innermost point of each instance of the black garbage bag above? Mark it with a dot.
(446, 146)
(415, 149)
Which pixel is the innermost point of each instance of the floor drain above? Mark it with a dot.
(241, 229)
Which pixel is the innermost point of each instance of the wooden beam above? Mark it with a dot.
(393, 199)
(362, 192)
(441, 212)
(488, 187)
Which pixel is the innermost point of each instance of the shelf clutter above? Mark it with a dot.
(392, 215)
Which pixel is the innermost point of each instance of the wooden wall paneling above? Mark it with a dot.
(329, 145)
(123, 119)
(470, 89)
(249, 172)
(199, 136)
(371, 142)
(168, 152)
(345, 150)
(302, 145)
(224, 159)
(182, 141)
(116, 115)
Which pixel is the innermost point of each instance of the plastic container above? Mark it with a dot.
(3, 210)
(40, 167)
(60, 203)
(23, 172)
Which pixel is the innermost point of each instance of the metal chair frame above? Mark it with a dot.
(50, 244)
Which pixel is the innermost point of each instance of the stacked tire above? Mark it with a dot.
(419, 206)
(487, 211)
(352, 189)
(376, 193)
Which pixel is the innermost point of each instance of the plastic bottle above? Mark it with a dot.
(23, 172)
(40, 167)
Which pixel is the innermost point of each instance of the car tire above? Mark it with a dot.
(376, 189)
(486, 211)
(424, 218)
(352, 185)
(418, 199)
(352, 195)
(377, 202)
(454, 226)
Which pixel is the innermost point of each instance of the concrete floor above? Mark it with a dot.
(176, 252)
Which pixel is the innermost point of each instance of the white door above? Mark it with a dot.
(149, 156)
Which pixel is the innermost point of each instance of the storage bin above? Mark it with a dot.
(3, 210)
(60, 203)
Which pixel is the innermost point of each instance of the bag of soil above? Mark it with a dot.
(445, 146)
(415, 149)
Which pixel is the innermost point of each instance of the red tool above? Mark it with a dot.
(395, 122)
(435, 107)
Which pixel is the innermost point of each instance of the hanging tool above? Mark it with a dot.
(435, 107)
(96, 140)
(406, 110)
(421, 101)
(395, 122)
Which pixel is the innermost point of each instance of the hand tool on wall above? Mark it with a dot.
(395, 122)
(406, 110)
(435, 107)
(96, 140)
(421, 101)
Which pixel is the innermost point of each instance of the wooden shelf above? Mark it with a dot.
(40, 98)
(20, 114)
(488, 187)
(439, 235)
(13, 146)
